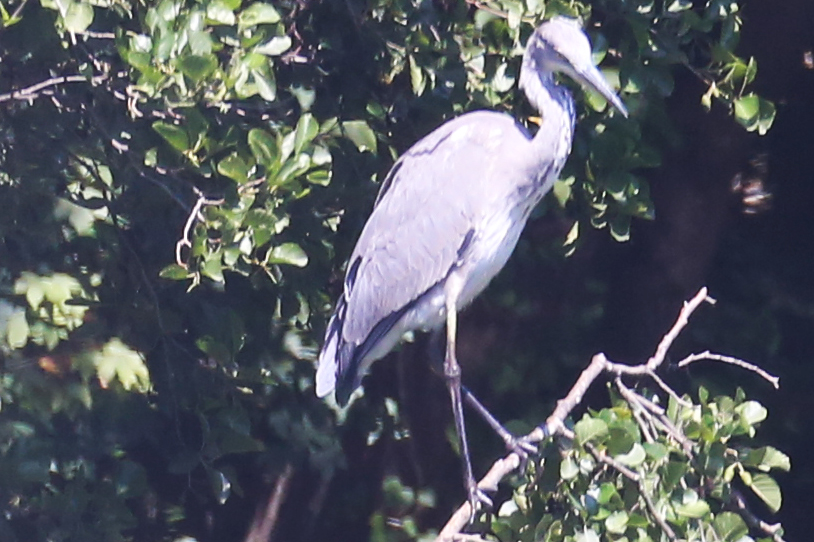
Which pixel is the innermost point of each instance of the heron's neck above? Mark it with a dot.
(552, 144)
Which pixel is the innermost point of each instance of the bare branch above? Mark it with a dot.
(773, 380)
(29, 93)
(194, 216)
(681, 323)
(670, 391)
(262, 527)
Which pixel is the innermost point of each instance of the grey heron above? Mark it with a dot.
(448, 216)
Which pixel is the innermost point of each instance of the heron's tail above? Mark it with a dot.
(328, 365)
(337, 369)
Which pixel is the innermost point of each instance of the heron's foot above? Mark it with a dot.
(522, 447)
(477, 499)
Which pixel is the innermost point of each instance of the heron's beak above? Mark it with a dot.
(593, 78)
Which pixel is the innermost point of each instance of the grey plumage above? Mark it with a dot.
(454, 203)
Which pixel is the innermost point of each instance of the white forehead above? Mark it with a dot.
(565, 37)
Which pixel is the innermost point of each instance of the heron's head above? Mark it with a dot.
(560, 45)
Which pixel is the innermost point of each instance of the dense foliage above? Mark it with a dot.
(181, 183)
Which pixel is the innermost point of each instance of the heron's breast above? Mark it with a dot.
(493, 245)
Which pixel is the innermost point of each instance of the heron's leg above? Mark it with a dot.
(513, 443)
(452, 373)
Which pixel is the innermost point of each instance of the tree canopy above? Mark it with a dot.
(182, 182)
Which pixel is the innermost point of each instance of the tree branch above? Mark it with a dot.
(29, 93)
(773, 380)
(263, 525)
(555, 424)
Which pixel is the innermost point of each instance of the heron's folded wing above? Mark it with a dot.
(425, 214)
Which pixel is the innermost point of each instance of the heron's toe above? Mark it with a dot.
(478, 500)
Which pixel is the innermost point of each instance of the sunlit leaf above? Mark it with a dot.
(117, 361)
(289, 254)
(258, 13)
(275, 46)
(730, 527)
(361, 134)
(696, 509)
(78, 16)
(767, 489)
(590, 429)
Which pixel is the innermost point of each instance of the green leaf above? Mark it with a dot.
(607, 492)
(234, 167)
(361, 134)
(78, 17)
(634, 457)
(679, 5)
(766, 116)
(730, 527)
(118, 361)
(218, 12)
(174, 272)
(767, 489)
(568, 468)
(263, 146)
(265, 84)
(587, 535)
(747, 108)
(767, 458)
(198, 67)
(275, 46)
(616, 522)
(590, 429)
(656, 450)
(752, 412)
(173, 134)
(695, 510)
(417, 79)
(288, 254)
(258, 13)
(7, 19)
(320, 177)
(213, 267)
(307, 128)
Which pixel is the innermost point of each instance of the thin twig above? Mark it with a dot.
(773, 380)
(666, 529)
(464, 537)
(681, 323)
(670, 391)
(33, 91)
(194, 216)
(639, 411)
(603, 457)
